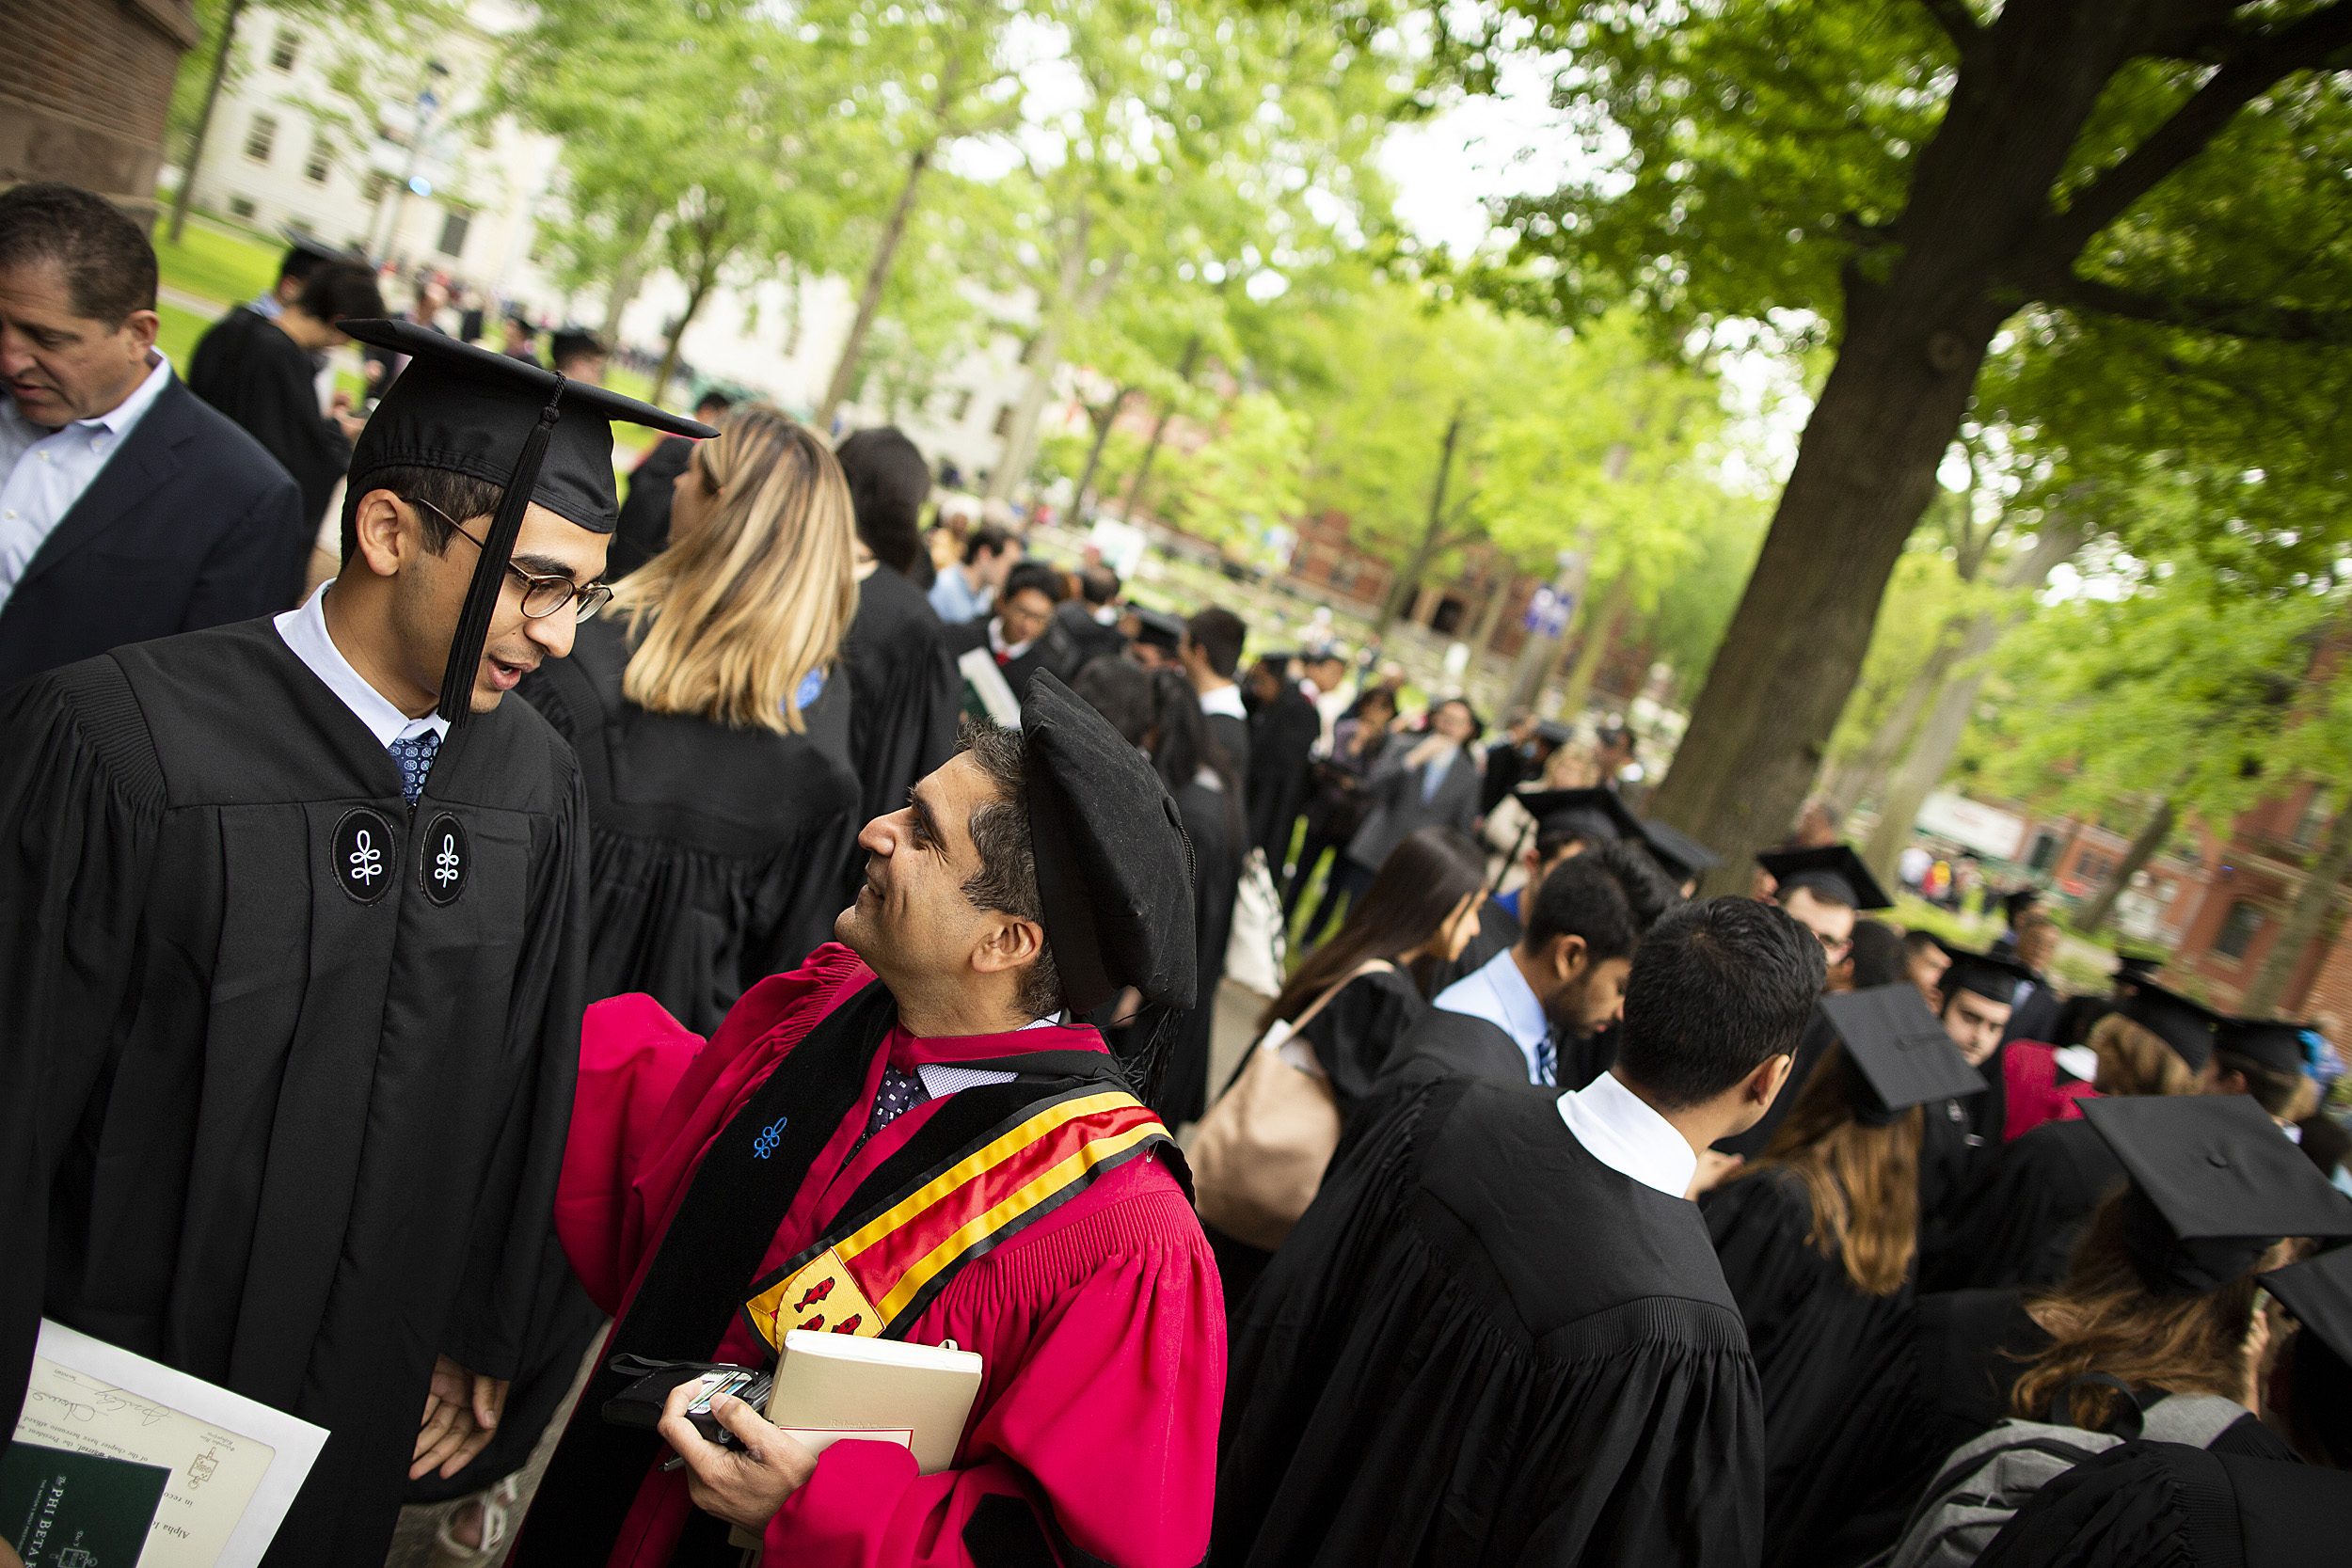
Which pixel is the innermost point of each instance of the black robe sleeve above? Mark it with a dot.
(81, 797)
(2016, 1221)
(907, 693)
(2147, 1503)
(1357, 1035)
(253, 372)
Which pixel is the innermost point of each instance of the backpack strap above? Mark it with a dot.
(2196, 1419)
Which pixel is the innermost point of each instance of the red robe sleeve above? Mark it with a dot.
(2034, 1094)
(1109, 1421)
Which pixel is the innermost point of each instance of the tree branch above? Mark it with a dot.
(2307, 43)
(1958, 21)
(2235, 318)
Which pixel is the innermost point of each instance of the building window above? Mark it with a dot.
(2045, 849)
(282, 53)
(260, 136)
(963, 406)
(240, 206)
(2313, 822)
(453, 226)
(374, 189)
(2237, 931)
(1003, 420)
(321, 162)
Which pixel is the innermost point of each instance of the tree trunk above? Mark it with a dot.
(877, 277)
(1159, 428)
(2145, 844)
(1600, 636)
(2312, 901)
(1490, 619)
(702, 281)
(1919, 314)
(1409, 578)
(1932, 749)
(1073, 302)
(1102, 423)
(1864, 774)
(204, 122)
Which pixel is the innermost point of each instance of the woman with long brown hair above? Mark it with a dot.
(712, 727)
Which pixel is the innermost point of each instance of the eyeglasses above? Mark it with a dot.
(542, 597)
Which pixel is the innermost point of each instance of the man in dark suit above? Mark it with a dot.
(129, 509)
(1434, 783)
(1283, 729)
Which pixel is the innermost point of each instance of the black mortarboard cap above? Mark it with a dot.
(508, 422)
(2318, 1291)
(1682, 856)
(1595, 815)
(2272, 1042)
(2214, 1184)
(307, 253)
(1159, 628)
(1114, 869)
(1991, 975)
(1899, 1050)
(2184, 1025)
(2136, 966)
(1832, 872)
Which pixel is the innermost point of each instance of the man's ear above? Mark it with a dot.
(143, 325)
(1764, 1084)
(1568, 958)
(383, 539)
(1006, 943)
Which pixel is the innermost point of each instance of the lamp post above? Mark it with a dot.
(428, 103)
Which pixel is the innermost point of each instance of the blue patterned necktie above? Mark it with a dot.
(414, 753)
(1547, 1063)
(900, 1092)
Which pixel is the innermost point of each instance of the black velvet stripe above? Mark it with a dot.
(698, 1278)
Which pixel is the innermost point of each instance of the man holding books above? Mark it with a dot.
(899, 1140)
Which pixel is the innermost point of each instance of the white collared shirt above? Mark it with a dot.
(941, 1079)
(1225, 700)
(44, 472)
(1621, 1131)
(997, 645)
(304, 630)
(1498, 993)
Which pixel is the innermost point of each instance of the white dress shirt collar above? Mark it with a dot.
(996, 644)
(303, 631)
(1498, 993)
(1225, 700)
(1617, 1128)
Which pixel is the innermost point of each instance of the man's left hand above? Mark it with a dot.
(461, 1416)
(744, 1484)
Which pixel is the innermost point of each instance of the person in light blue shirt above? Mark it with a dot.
(965, 589)
(1564, 981)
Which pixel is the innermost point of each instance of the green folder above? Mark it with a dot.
(65, 1510)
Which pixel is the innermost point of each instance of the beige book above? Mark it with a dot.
(830, 1386)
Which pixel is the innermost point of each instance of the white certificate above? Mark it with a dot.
(235, 1464)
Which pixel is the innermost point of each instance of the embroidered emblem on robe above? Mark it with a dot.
(444, 858)
(363, 850)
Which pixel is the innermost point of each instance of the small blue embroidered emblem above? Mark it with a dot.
(769, 1137)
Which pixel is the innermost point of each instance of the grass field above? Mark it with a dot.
(178, 335)
(215, 264)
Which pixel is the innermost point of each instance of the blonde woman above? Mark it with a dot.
(712, 727)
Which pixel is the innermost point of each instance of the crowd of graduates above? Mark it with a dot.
(472, 973)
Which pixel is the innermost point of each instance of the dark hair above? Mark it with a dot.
(1182, 744)
(299, 263)
(1424, 876)
(340, 291)
(1120, 691)
(1380, 695)
(1046, 578)
(2281, 1094)
(525, 326)
(1878, 955)
(1609, 895)
(889, 481)
(2319, 1401)
(1218, 633)
(462, 496)
(573, 344)
(1100, 584)
(1718, 988)
(1478, 725)
(2017, 902)
(109, 267)
(1007, 879)
(721, 401)
(1916, 940)
(989, 537)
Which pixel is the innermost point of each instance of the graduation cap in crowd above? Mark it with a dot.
(1159, 628)
(2318, 1293)
(1899, 1053)
(307, 253)
(463, 409)
(1595, 815)
(2213, 1184)
(2184, 1025)
(2136, 967)
(1991, 975)
(1683, 857)
(1834, 874)
(2267, 1042)
(1114, 869)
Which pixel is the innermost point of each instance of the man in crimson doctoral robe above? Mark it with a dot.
(904, 1121)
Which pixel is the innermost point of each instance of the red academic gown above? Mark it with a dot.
(2029, 1073)
(1101, 1324)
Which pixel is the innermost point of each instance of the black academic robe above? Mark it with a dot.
(712, 850)
(1233, 735)
(905, 694)
(284, 1104)
(2016, 1220)
(1217, 871)
(2144, 1503)
(1051, 649)
(643, 531)
(1090, 638)
(1805, 1315)
(250, 371)
(1482, 1345)
(1283, 737)
(1442, 1043)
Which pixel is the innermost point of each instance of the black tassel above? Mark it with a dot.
(489, 573)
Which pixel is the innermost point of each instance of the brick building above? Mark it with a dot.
(86, 89)
(2252, 879)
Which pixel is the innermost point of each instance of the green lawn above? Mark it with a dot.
(178, 335)
(215, 264)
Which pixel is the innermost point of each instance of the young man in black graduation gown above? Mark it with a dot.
(1561, 823)
(1498, 1335)
(259, 371)
(1283, 729)
(291, 942)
